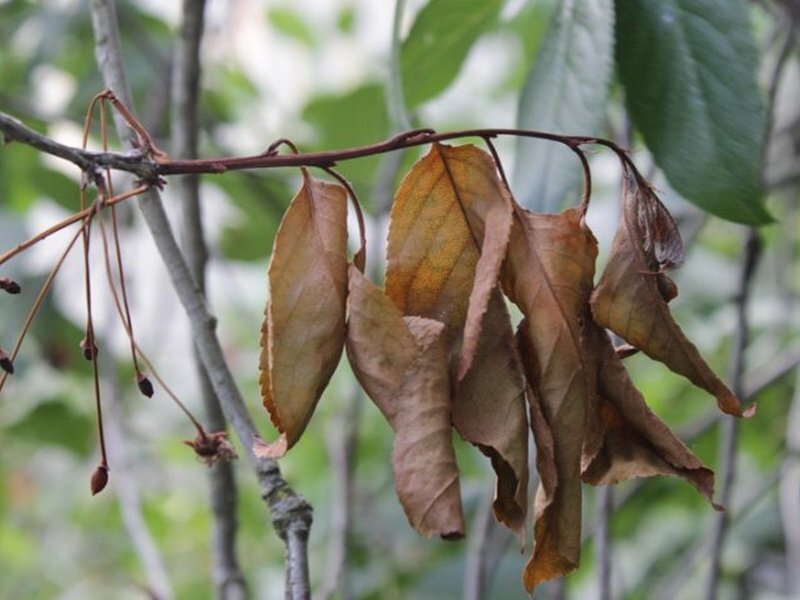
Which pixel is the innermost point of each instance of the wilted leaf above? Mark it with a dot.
(401, 362)
(548, 274)
(447, 239)
(489, 411)
(304, 328)
(634, 441)
(431, 254)
(631, 296)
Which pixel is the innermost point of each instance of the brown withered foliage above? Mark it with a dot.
(437, 350)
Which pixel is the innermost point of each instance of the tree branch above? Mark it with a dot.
(291, 514)
(150, 167)
(228, 578)
(730, 426)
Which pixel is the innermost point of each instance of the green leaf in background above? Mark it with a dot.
(565, 92)
(291, 24)
(689, 71)
(55, 423)
(439, 41)
(355, 118)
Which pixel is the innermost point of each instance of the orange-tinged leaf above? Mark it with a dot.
(548, 274)
(303, 332)
(634, 442)
(431, 254)
(631, 297)
(447, 239)
(489, 411)
(402, 364)
(432, 251)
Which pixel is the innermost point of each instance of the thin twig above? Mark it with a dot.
(488, 543)
(129, 496)
(667, 587)
(228, 577)
(291, 514)
(605, 506)
(790, 493)
(730, 427)
(149, 168)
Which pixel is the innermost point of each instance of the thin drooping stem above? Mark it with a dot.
(291, 514)
(128, 494)
(34, 309)
(186, 74)
(730, 426)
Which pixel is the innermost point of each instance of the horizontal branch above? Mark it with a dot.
(135, 161)
(149, 164)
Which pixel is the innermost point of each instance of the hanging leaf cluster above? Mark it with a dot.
(436, 349)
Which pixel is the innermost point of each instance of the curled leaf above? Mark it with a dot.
(489, 411)
(401, 362)
(448, 235)
(548, 275)
(634, 441)
(303, 332)
(631, 297)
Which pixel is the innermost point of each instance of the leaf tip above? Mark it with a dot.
(276, 449)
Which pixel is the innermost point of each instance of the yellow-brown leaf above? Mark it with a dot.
(401, 362)
(303, 332)
(631, 297)
(548, 274)
(448, 234)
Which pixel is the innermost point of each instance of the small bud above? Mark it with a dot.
(145, 385)
(99, 479)
(89, 350)
(10, 286)
(5, 362)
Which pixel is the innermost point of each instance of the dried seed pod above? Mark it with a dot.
(89, 349)
(9, 285)
(99, 479)
(145, 385)
(5, 362)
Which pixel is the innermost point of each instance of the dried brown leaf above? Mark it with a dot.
(447, 239)
(548, 274)
(631, 297)
(634, 441)
(402, 364)
(303, 332)
(489, 411)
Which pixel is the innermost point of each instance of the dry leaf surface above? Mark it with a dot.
(401, 362)
(303, 332)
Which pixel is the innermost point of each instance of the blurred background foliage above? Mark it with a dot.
(329, 75)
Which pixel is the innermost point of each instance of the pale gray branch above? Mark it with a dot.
(228, 577)
(291, 514)
(730, 425)
(128, 495)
